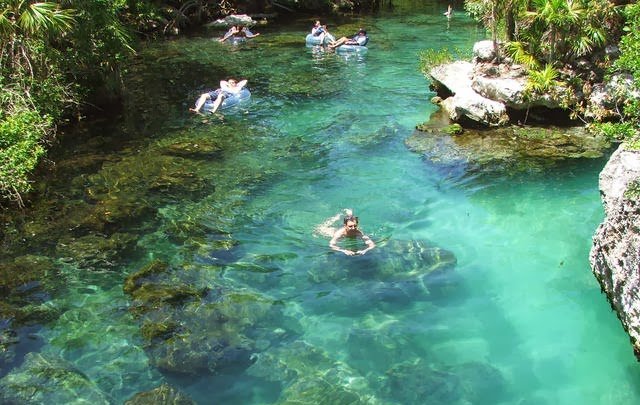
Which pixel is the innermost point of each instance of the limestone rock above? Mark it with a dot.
(615, 254)
(484, 51)
(466, 103)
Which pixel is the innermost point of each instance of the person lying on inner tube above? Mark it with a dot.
(238, 31)
(317, 29)
(227, 88)
(360, 39)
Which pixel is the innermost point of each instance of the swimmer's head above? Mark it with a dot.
(350, 222)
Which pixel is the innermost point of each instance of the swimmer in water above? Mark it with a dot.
(350, 230)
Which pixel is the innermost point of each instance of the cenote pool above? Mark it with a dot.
(184, 249)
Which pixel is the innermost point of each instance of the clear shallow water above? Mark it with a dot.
(520, 319)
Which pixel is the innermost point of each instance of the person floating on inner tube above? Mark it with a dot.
(227, 88)
(238, 31)
(245, 32)
(231, 32)
(319, 30)
(360, 39)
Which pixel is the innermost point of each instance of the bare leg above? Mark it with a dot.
(217, 103)
(203, 99)
(337, 43)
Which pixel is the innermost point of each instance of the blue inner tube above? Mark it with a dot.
(230, 101)
(236, 40)
(351, 48)
(312, 40)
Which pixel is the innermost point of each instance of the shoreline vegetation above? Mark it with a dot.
(49, 76)
(61, 62)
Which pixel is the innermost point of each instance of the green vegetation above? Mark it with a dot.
(546, 36)
(549, 31)
(633, 190)
(629, 61)
(58, 58)
(431, 58)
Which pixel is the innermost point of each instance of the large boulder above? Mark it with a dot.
(465, 102)
(233, 19)
(615, 254)
(484, 51)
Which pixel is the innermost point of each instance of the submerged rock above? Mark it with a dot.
(416, 382)
(509, 148)
(46, 379)
(311, 376)
(25, 275)
(190, 328)
(94, 252)
(162, 395)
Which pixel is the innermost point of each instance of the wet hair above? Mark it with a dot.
(362, 31)
(350, 218)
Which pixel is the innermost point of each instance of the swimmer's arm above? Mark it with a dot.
(241, 84)
(370, 244)
(333, 243)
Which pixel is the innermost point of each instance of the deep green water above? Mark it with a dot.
(518, 319)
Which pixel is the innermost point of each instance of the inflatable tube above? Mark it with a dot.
(312, 40)
(230, 101)
(351, 48)
(236, 40)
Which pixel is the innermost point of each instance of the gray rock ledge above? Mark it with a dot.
(615, 254)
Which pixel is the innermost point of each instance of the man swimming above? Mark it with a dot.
(350, 230)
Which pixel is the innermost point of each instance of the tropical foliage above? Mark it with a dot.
(628, 62)
(551, 31)
(546, 36)
(56, 58)
(33, 91)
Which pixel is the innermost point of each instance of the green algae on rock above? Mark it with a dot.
(504, 149)
(165, 394)
(49, 379)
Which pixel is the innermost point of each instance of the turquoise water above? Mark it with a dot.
(518, 319)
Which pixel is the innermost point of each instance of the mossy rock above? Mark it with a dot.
(454, 129)
(195, 351)
(154, 331)
(506, 149)
(321, 392)
(94, 252)
(24, 270)
(165, 394)
(21, 314)
(46, 379)
(137, 279)
(194, 149)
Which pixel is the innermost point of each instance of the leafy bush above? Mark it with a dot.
(629, 61)
(21, 147)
